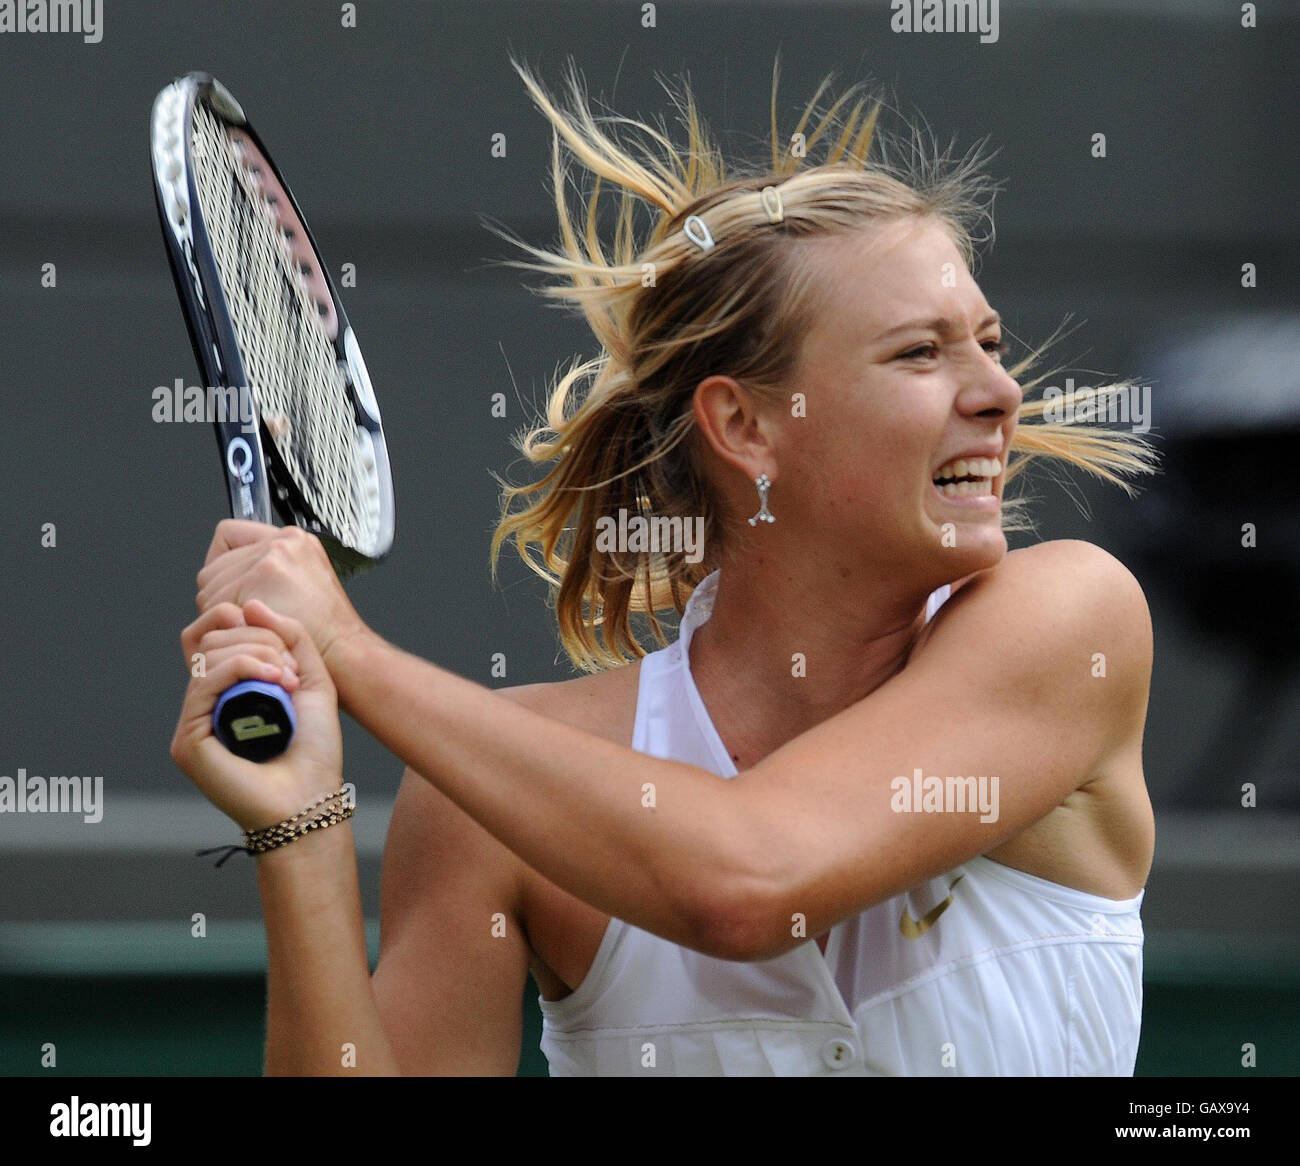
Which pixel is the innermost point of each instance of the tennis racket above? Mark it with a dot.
(297, 424)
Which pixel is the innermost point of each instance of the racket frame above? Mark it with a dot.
(259, 485)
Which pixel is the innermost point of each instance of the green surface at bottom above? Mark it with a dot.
(212, 1025)
(155, 1026)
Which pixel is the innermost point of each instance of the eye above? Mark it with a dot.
(992, 347)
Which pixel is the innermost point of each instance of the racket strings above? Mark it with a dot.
(294, 375)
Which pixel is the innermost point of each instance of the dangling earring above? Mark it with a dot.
(763, 482)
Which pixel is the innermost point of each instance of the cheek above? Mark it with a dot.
(864, 459)
(862, 479)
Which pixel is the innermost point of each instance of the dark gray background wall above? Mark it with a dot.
(384, 132)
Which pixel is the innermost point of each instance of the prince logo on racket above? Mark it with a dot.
(249, 728)
(239, 459)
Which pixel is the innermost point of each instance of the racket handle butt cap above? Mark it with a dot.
(254, 720)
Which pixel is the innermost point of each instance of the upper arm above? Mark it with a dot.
(453, 955)
(1034, 674)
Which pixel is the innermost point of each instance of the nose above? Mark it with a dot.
(989, 390)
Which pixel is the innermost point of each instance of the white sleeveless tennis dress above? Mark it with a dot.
(1016, 976)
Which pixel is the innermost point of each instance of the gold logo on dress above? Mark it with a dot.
(915, 928)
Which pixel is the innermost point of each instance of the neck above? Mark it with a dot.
(785, 650)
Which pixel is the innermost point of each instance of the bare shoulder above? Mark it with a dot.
(603, 702)
(1056, 598)
(1074, 560)
(427, 823)
(1082, 650)
(1065, 566)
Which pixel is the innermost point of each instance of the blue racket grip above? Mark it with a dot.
(254, 720)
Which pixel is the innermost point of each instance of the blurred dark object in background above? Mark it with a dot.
(1219, 528)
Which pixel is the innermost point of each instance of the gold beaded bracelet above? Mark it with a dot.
(331, 810)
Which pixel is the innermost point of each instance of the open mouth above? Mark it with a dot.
(967, 478)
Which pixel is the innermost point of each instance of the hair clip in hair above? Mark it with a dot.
(698, 233)
(770, 197)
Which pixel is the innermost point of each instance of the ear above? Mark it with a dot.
(730, 418)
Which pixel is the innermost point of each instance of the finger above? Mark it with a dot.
(237, 532)
(228, 566)
(233, 578)
(234, 666)
(273, 654)
(300, 645)
(228, 637)
(223, 615)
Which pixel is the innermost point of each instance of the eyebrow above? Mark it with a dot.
(944, 325)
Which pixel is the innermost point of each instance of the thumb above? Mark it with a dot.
(311, 668)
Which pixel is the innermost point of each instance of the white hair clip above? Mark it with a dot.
(770, 197)
(698, 233)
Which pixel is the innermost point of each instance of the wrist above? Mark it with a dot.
(310, 851)
(312, 876)
(347, 657)
(289, 796)
(323, 812)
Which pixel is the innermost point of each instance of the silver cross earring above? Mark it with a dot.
(763, 482)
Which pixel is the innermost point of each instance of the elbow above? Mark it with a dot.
(741, 899)
(743, 921)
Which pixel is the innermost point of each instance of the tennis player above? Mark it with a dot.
(878, 810)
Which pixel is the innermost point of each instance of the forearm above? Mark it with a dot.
(660, 844)
(319, 996)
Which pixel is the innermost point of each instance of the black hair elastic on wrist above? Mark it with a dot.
(232, 849)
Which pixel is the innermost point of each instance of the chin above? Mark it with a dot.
(969, 547)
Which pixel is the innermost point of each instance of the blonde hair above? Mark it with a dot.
(667, 314)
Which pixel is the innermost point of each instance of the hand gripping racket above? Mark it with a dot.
(297, 424)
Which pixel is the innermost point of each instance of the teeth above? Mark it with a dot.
(966, 489)
(979, 467)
